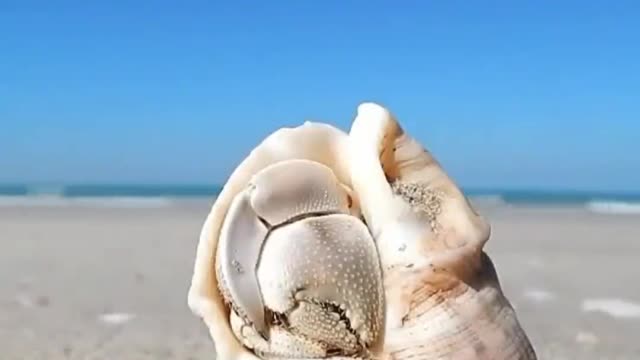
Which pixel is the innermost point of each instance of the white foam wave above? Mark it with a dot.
(613, 207)
(587, 338)
(539, 295)
(617, 308)
(487, 199)
(116, 318)
(60, 201)
(45, 190)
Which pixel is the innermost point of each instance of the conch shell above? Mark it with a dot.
(324, 244)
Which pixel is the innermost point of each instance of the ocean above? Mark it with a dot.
(162, 195)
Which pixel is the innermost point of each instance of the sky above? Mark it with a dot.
(539, 94)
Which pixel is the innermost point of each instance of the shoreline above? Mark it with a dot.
(613, 208)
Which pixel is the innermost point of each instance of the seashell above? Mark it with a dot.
(358, 246)
(443, 297)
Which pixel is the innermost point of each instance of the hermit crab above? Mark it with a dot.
(332, 245)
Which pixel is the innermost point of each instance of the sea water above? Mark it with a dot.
(161, 195)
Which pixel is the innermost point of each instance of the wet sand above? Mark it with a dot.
(86, 282)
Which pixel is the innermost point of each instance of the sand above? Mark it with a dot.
(85, 282)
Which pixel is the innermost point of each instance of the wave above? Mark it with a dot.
(613, 207)
(141, 195)
(493, 199)
(100, 201)
(109, 190)
(45, 190)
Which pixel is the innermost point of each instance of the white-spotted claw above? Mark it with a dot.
(290, 247)
(295, 187)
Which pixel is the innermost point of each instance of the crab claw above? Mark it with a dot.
(443, 298)
(285, 267)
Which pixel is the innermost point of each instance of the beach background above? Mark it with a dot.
(120, 122)
(102, 272)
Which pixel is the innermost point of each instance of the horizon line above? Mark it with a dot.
(218, 186)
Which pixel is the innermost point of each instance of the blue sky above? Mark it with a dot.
(544, 94)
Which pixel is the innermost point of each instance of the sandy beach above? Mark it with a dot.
(91, 282)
